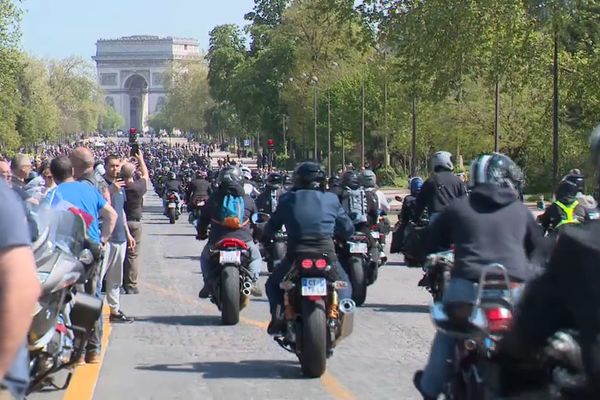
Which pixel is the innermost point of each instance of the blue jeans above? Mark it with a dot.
(436, 372)
(275, 293)
(210, 271)
(17, 377)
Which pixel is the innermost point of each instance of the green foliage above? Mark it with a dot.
(111, 120)
(386, 177)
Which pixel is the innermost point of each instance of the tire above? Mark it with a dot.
(358, 281)
(230, 295)
(313, 358)
(172, 215)
(277, 254)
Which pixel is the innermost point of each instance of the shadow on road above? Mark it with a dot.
(400, 308)
(395, 264)
(253, 369)
(185, 320)
(192, 258)
(173, 234)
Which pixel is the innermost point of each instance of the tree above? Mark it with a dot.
(111, 120)
(225, 54)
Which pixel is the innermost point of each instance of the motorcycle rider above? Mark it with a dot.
(267, 201)
(490, 226)
(312, 217)
(249, 187)
(407, 213)
(565, 210)
(199, 187)
(230, 183)
(441, 188)
(172, 185)
(334, 185)
(368, 180)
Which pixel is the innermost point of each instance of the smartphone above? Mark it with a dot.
(135, 149)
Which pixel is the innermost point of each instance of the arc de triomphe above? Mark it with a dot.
(131, 71)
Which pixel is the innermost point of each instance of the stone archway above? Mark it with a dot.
(137, 89)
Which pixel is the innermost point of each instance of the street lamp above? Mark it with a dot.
(314, 80)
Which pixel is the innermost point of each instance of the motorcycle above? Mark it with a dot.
(478, 326)
(231, 290)
(64, 317)
(358, 263)
(196, 204)
(276, 250)
(316, 319)
(173, 207)
(437, 273)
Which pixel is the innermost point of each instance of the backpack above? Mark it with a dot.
(232, 212)
(355, 204)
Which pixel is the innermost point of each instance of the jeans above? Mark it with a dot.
(17, 377)
(275, 293)
(436, 373)
(210, 271)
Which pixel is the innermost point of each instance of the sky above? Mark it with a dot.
(62, 28)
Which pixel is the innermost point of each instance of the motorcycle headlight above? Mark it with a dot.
(42, 276)
(86, 257)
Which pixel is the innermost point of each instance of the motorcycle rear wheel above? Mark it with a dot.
(172, 215)
(313, 356)
(358, 281)
(230, 295)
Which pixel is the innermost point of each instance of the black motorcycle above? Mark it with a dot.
(356, 260)
(232, 288)
(316, 319)
(172, 206)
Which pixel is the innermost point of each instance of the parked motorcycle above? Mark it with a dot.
(64, 317)
(316, 319)
(437, 273)
(173, 207)
(231, 290)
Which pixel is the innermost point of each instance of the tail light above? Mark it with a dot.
(321, 263)
(306, 264)
(499, 319)
(172, 197)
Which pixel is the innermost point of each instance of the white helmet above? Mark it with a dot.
(442, 159)
(246, 173)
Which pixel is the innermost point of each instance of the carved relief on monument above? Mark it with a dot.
(108, 79)
(157, 79)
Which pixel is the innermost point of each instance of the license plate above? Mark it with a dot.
(230, 257)
(314, 286)
(375, 235)
(172, 205)
(358, 248)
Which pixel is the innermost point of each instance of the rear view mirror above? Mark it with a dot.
(398, 198)
(260, 218)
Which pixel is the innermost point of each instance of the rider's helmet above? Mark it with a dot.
(415, 185)
(230, 177)
(201, 174)
(350, 180)
(496, 169)
(334, 181)
(566, 191)
(309, 175)
(274, 180)
(368, 178)
(246, 173)
(576, 176)
(166, 170)
(172, 176)
(442, 161)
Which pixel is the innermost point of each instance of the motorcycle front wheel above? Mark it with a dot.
(358, 280)
(313, 356)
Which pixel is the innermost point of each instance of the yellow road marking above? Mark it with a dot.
(334, 387)
(85, 377)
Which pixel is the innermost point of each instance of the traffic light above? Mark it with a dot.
(132, 135)
(271, 144)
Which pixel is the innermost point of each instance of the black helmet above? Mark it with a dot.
(172, 176)
(334, 181)
(496, 169)
(350, 179)
(566, 191)
(230, 176)
(368, 178)
(275, 179)
(577, 177)
(309, 175)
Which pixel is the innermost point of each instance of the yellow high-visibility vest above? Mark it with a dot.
(569, 212)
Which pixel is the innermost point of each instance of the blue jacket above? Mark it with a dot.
(309, 214)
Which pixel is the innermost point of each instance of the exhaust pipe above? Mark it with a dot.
(247, 285)
(347, 306)
(246, 292)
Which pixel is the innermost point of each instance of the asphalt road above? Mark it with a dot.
(176, 348)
